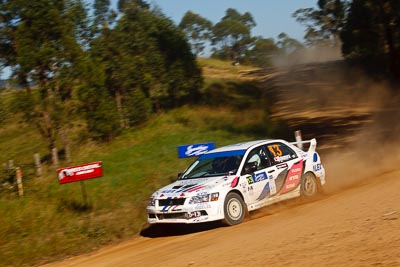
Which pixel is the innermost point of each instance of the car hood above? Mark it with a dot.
(194, 186)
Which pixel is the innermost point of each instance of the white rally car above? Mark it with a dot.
(225, 183)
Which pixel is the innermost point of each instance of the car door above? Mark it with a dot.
(289, 167)
(260, 175)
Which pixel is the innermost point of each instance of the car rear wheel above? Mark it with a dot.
(309, 186)
(234, 209)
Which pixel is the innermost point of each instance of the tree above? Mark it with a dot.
(288, 45)
(96, 103)
(41, 37)
(146, 55)
(371, 35)
(123, 5)
(232, 35)
(323, 24)
(197, 30)
(262, 52)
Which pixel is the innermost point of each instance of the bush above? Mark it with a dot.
(3, 111)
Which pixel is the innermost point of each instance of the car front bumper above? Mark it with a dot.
(187, 213)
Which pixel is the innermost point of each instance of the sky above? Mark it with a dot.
(271, 16)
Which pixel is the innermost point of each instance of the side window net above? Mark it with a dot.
(256, 160)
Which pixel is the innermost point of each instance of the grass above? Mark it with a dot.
(51, 221)
(216, 70)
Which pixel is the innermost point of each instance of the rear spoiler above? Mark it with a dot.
(311, 148)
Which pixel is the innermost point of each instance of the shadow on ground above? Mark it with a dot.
(163, 230)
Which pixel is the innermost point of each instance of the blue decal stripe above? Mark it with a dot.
(265, 192)
(165, 208)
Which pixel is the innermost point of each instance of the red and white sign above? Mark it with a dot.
(79, 173)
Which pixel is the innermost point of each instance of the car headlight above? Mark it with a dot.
(204, 198)
(214, 196)
(152, 202)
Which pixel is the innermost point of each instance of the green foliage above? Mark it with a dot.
(371, 35)
(138, 107)
(124, 5)
(143, 61)
(262, 53)
(3, 110)
(46, 36)
(102, 121)
(99, 108)
(156, 60)
(288, 45)
(232, 35)
(323, 24)
(101, 12)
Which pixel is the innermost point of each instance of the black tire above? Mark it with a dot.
(234, 209)
(309, 186)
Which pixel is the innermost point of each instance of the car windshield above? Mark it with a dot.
(214, 164)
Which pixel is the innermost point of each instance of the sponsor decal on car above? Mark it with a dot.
(259, 177)
(293, 177)
(282, 166)
(272, 185)
(194, 150)
(202, 206)
(317, 167)
(282, 158)
(183, 189)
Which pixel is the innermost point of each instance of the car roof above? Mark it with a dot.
(241, 146)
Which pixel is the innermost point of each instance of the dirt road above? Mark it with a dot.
(359, 226)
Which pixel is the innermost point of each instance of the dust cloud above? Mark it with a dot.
(354, 117)
(307, 55)
(374, 149)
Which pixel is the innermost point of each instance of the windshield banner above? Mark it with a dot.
(194, 150)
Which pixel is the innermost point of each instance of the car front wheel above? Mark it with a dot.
(234, 209)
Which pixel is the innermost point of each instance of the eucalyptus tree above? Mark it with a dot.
(371, 35)
(262, 53)
(288, 45)
(42, 41)
(323, 23)
(145, 56)
(232, 35)
(197, 30)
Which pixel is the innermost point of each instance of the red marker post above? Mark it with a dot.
(80, 173)
(18, 174)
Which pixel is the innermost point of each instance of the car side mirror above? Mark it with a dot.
(250, 167)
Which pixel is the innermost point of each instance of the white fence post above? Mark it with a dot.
(297, 136)
(38, 166)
